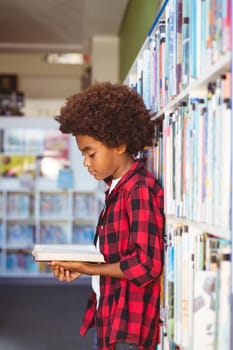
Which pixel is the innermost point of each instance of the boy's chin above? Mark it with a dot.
(97, 177)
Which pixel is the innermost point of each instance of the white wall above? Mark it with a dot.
(105, 59)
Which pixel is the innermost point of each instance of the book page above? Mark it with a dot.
(67, 252)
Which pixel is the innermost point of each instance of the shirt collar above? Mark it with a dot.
(138, 164)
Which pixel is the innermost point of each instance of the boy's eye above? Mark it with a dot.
(91, 155)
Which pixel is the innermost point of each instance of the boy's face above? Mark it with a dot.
(101, 160)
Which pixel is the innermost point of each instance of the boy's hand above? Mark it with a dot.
(62, 273)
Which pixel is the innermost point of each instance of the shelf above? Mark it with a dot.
(192, 159)
(28, 122)
(201, 227)
(195, 89)
(44, 212)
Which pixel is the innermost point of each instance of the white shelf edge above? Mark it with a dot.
(212, 229)
(27, 122)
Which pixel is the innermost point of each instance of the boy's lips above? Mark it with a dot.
(92, 172)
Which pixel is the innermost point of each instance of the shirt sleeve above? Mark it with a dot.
(144, 263)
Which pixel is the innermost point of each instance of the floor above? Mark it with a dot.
(43, 316)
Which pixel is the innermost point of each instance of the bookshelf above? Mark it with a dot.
(183, 72)
(35, 205)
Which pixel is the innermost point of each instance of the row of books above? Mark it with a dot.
(57, 234)
(85, 206)
(53, 234)
(154, 156)
(20, 205)
(21, 234)
(83, 234)
(28, 154)
(35, 141)
(54, 205)
(24, 235)
(29, 167)
(197, 289)
(18, 261)
(189, 38)
(192, 156)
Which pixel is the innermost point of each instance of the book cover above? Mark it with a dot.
(53, 233)
(83, 234)
(223, 298)
(66, 252)
(13, 140)
(14, 165)
(204, 310)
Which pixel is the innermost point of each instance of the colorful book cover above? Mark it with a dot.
(13, 140)
(14, 165)
(56, 144)
(146, 67)
(162, 86)
(83, 234)
(85, 206)
(65, 178)
(172, 49)
(34, 141)
(179, 41)
(53, 234)
(186, 43)
(53, 205)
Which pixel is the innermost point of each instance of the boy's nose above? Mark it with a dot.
(86, 161)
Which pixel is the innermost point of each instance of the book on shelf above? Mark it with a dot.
(83, 234)
(204, 313)
(14, 165)
(67, 252)
(196, 264)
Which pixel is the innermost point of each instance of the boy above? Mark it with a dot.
(111, 126)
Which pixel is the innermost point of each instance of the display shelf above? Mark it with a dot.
(33, 209)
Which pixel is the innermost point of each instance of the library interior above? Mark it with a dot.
(177, 55)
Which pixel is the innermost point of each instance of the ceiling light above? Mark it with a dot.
(67, 58)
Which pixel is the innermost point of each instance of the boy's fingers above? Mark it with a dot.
(56, 271)
(68, 276)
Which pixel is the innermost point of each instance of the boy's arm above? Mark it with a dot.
(144, 263)
(61, 268)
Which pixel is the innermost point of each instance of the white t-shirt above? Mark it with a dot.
(95, 280)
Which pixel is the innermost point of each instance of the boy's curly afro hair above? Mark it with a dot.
(113, 114)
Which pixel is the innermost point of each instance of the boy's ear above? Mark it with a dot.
(121, 149)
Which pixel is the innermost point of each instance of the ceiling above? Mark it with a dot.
(57, 25)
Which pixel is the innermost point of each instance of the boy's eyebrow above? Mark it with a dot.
(85, 149)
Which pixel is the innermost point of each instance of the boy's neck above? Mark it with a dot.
(126, 163)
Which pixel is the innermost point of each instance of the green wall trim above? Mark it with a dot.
(138, 19)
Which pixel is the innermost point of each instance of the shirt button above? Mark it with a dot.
(102, 227)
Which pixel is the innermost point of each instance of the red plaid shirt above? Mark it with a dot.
(130, 230)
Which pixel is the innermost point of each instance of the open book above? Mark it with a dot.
(67, 252)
